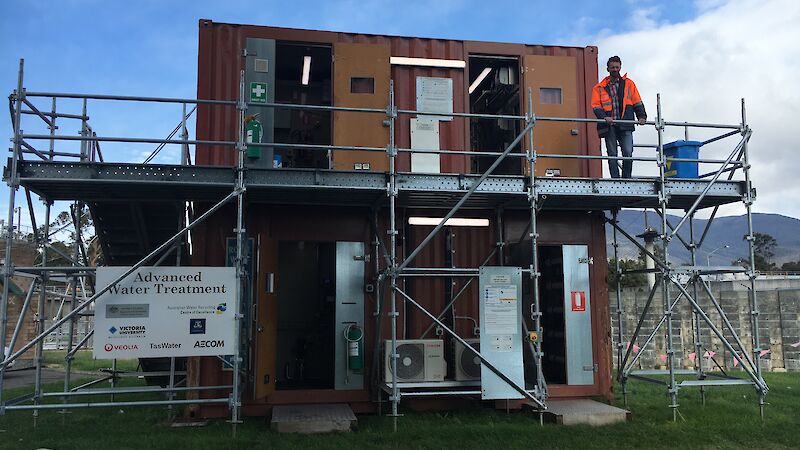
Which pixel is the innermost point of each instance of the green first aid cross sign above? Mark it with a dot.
(258, 92)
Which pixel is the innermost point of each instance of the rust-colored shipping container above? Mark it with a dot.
(296, 246)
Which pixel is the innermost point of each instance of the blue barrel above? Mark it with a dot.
(682, 150)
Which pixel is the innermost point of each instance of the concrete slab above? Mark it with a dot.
(308, 419)
(584, 411)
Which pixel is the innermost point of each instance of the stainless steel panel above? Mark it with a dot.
(501, 331)
(577, 315)
(260, 67)
(349, 309)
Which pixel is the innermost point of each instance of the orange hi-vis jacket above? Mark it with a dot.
(631, 102)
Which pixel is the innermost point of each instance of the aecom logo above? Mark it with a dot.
(209, 344)
(123, 347)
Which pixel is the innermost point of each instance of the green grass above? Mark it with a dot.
(82, 361)
(730, 419)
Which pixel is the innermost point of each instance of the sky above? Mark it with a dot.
(702, 56)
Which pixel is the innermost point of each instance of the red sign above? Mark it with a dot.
(578, 301)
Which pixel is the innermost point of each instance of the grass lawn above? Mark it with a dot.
(83, 361)
(729, 420)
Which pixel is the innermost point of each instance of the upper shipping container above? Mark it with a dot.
(355, 70)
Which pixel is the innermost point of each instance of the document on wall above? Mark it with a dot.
(500, 309)
(435, 94)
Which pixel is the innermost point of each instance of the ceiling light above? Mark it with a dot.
(428, 62)
(478, 80)
(306, 69)
(452, 222)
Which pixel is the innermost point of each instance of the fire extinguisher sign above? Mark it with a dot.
(578, 301)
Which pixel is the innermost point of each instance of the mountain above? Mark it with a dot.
(724, 231)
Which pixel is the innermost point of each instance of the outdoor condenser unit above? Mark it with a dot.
(419, 360)
(468, 365)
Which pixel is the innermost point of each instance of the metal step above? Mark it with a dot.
(311, 419)
(584, 412)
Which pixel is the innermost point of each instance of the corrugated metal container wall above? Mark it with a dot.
(220, 60)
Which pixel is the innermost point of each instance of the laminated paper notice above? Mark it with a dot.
(500, 309)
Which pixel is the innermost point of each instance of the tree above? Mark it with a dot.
(763, 251)
(628, 280)
(792, 266)
(63, 223)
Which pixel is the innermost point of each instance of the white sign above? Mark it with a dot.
(500, 309)
(425, 135)
(435, 95)
(166, 311)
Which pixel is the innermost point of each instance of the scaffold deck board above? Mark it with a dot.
(115, 182)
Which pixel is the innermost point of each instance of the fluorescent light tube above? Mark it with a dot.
(478, 80)
(306, 69)
(427, 62)
(452, 222)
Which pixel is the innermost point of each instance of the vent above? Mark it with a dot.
(261, 65)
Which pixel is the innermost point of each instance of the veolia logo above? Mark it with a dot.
(110, 347)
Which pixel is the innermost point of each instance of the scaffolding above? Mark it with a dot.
(87, 177)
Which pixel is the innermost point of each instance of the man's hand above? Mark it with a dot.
(642, 120)
(609, 120)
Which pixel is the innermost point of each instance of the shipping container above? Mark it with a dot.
(303, 254)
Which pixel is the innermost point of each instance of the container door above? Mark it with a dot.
(259, 85)
(361, 75)
(553, 84)
(350, 260)
(266, 316)
(577, 315)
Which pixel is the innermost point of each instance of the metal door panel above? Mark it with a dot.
(577, 315)
(257, 71)
(349, 309)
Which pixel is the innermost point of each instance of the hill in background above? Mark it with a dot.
(723, 231)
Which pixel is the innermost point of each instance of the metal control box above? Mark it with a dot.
(501, 330)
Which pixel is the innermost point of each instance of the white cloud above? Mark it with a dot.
(702, 67)
(644, 18)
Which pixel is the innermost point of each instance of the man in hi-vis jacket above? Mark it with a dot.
(615, 98)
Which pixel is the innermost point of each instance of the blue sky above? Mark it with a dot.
(150, 48)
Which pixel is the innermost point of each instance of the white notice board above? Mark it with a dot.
(435, 94)
(425, 136)
(166, 311)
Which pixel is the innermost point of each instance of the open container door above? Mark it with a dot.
(553, 82)
(361, 74)
(266, 316)
(577, 315)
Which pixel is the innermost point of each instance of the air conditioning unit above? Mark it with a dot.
(468, 365)
(419, 360)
